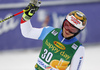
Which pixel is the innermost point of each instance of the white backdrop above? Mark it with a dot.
(26, 59)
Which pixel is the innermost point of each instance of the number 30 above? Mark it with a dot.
(47, 55)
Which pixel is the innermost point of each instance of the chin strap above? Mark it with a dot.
(71, 36)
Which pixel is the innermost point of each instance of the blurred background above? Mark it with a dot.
(19, 53)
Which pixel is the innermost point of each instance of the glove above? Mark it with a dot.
(30, 10)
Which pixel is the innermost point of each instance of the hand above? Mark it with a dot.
(30, 10)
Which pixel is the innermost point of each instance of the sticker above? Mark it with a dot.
(54, 32)
(74, 46)
(59, 45)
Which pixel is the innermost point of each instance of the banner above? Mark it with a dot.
(11, 1)
(23, 1)
(10, 33)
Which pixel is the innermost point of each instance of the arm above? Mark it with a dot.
(26, 27)
(30, 32)
(34, 33)
(77, 59)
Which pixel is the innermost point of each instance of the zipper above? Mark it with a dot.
(62, 40)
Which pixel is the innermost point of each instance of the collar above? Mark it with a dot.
(64, 40)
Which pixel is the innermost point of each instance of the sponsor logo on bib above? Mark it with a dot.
(59, 45)
(74, 46)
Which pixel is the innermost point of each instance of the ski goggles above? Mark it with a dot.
(69, 27)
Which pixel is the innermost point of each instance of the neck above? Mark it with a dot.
(67, 37)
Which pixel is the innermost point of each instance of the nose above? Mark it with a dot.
(67, 31)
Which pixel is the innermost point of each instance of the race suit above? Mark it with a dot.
(57, 52)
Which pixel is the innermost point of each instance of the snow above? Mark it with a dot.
(26, 59)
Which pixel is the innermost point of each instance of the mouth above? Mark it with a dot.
(67, 33)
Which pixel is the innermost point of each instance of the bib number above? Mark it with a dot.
(47, 55)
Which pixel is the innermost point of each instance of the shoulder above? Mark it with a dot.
(81, 49)
(48, 28)
(79, 53)
(45, 31)
(81, 46)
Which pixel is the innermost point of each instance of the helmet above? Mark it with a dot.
(77, 19)
(74, 22)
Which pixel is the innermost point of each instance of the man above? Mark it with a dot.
(60, 47)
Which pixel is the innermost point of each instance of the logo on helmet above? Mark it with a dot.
(74, 20)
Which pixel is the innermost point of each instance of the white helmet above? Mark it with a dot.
(77, 18)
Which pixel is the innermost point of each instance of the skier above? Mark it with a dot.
(60, 46)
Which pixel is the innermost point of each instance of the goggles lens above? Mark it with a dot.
(69, 27)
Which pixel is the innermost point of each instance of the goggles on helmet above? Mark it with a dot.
(69, 27)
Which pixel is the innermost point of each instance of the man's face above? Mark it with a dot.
(68, 29)
(66, 33)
